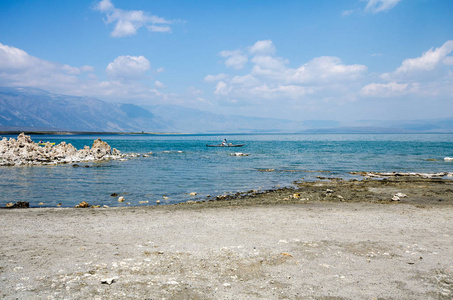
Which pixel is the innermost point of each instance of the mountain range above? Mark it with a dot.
(30, 109)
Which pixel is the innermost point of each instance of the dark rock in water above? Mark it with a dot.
(75, 165)
(18, 204)
(86, 166)
(114, 195)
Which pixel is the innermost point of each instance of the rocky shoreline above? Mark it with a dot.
(383, 188)
(24, 151)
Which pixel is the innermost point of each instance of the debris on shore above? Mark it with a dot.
(402, 174)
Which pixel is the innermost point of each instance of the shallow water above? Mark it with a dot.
(180, 165)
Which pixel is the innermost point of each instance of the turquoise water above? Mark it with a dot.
(181, 165)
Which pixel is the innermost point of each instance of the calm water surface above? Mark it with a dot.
(183, 164)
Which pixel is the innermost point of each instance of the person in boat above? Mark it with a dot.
(40, 141)
(224, 143)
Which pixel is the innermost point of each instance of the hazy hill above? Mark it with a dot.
(31, 109)
(196, 121)
(34, 109)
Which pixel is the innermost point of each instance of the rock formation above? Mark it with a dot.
(24, 151)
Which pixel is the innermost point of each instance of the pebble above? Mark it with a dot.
(108, 280)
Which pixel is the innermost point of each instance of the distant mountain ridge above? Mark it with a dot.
(30, 109)
(41, 110)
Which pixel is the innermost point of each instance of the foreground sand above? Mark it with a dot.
(263, 248)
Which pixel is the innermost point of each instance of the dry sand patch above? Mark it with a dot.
(319, 250)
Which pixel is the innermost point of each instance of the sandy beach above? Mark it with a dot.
(325, 240)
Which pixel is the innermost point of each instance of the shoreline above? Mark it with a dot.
(384, 188)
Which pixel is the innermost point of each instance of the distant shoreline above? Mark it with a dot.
(317, 132)
(85, 133)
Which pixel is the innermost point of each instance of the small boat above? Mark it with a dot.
(43, 144)
(227, 145)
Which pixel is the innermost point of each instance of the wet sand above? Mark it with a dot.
(329, 239)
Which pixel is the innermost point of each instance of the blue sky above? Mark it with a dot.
(300, 60)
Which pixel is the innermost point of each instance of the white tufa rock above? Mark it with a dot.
(398, 196)
(239, 154)
(24, 151)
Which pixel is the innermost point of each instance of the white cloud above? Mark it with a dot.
(234, 59)
(128, 67)
(14, 59)
(247, 80)
(193, 91)
(105, 6)
(263, 47)
(326, 69)
(385, 89)
(221, 88)
(71, 70)
(269, 62)
(430, 60)
(128, 22)
(346, 13)
(87, 68)
(280, 91)
(211, 78)
(448, 61)
(159, 85)
(18, 68)
(155, 28)
(375, 6)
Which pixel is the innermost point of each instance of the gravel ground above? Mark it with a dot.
(288, 244)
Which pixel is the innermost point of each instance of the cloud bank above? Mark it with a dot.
(254, 78)
(326, 82)
(128, 76)
(269, 76)
(429, 75)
